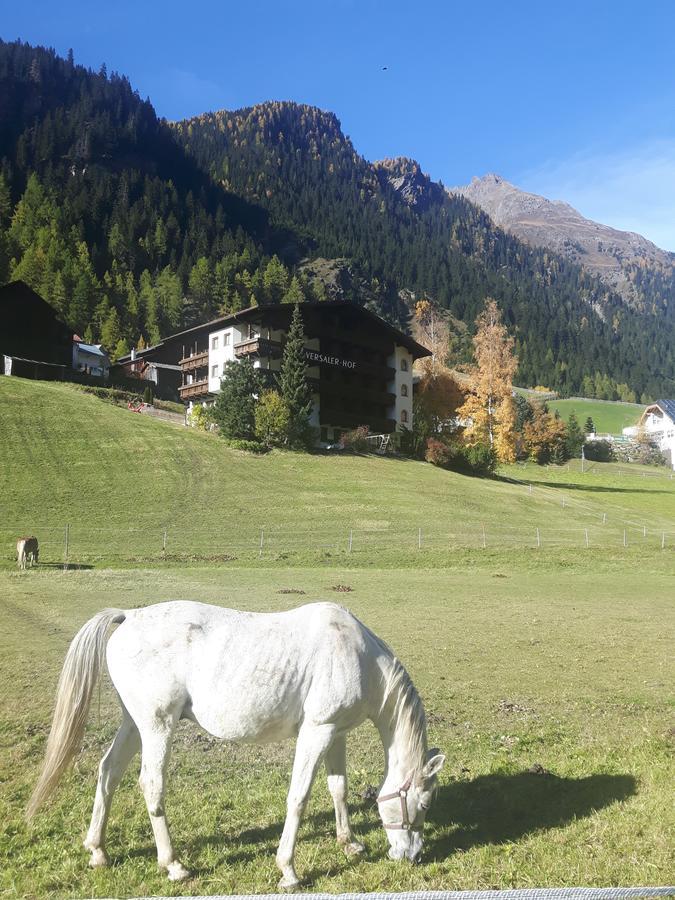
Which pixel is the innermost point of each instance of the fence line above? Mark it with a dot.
(69, 545)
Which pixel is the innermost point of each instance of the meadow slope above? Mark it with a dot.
(546, 671)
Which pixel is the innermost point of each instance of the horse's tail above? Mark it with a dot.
(78, 677)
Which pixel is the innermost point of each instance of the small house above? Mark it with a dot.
(657, 423)
(91, 359)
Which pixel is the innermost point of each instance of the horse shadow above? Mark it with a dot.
(501, 808)
(489, 809)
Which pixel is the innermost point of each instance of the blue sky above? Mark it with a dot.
(575, 100)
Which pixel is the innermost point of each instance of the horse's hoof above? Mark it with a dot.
(289, 885)
(353, 848)
(177, 872)
(98, 859)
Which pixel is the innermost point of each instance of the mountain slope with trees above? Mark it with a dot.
(406, 232)
(133, 228)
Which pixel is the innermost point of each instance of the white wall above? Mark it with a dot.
(402, 378)
(223, 353)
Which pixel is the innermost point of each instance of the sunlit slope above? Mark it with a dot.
(119, 480)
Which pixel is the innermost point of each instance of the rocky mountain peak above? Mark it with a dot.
(615, 256)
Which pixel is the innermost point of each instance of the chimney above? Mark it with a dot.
(133, 354)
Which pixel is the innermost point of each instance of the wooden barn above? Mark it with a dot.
(33, 340)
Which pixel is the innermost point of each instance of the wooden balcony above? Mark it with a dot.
(196, 389)
(196, 361)
(258, 346)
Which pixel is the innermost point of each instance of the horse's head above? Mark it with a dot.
(404, 810)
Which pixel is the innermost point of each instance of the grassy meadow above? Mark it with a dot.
(608, 417)
(546, 671)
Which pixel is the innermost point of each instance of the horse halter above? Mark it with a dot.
(402, 794)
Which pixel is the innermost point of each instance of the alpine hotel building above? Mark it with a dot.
(359, 367)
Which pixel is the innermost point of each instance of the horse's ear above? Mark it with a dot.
(434, 764)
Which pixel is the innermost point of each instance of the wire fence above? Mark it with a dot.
(67, 545)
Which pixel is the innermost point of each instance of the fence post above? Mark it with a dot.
(538, 537)
(262, 541)
(604, 518)
(351, 537)
(563, 503)
(644, 531)
(663, 540)
(484, 538)
(586, 534)
(419, 538)
(65, 547)
(624, 538)
(164, 543)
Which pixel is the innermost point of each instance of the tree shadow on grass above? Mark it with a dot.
(496, 809)
(576, 486)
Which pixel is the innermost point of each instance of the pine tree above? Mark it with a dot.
(589, 426)
(575, 437)
(234, 408)
(293, 383)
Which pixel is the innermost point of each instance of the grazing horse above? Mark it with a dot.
(27, 551)
(315, 672)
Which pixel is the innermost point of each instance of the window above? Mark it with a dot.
(404, 416)
(404, 390)
(404, 365)
(214, 371)
(214, 343)
(226, 339)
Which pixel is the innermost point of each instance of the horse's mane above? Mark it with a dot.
(407, 711)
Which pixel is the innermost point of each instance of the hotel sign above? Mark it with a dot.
(315, 358)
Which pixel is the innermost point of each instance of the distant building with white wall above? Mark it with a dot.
(91, 359)
(360, 368)
(657, 423)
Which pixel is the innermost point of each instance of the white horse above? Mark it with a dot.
(27, 551)
(316, 672)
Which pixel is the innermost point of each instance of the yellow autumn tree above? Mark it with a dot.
(489, 408)
(431, 329)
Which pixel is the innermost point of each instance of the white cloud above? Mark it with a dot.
(631, 189)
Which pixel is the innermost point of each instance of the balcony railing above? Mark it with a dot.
(195, 389)
(258, 346)
(196, 361)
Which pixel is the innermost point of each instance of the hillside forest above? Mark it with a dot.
(133, 227)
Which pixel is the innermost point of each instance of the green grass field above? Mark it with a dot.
(608, 417)
(557, 657)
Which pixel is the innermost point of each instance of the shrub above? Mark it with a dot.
(272, 419)
(356, 440)
(200, 418)
(147, 395)
(248, 446)
(437, 453)
(480, 459)
(599, 451)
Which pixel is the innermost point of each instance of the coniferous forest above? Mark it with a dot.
(133, 227)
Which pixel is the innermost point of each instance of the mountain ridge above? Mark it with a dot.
(133, 227)
(610, 253)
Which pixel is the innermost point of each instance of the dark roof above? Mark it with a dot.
(667, 406)
(30, 326)
(253, 311)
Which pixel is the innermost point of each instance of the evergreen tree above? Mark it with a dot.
(575, 437)
(234, 407)
(589, 426)
(295, 390)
